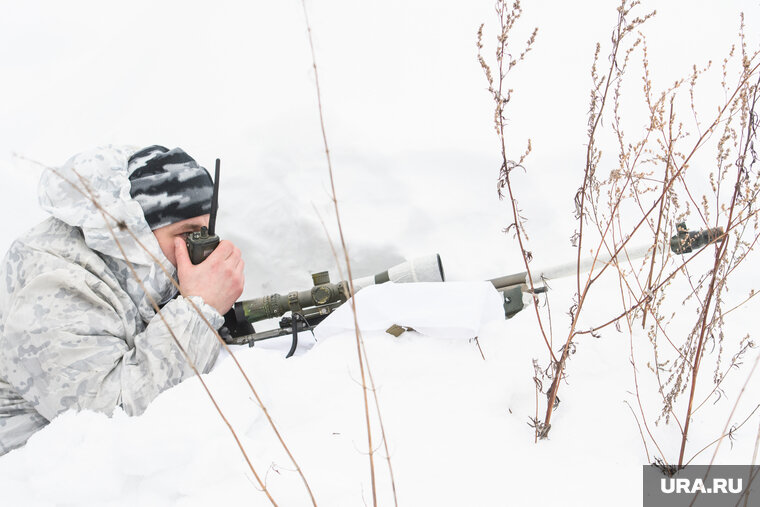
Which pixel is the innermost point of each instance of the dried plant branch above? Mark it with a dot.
(589, 187)
(369, 369)
(643, 440)
(643, 286)
(91, 195)
(507, 17)
(622, 280)
(361, 353)
(720, 255)
(724, 435)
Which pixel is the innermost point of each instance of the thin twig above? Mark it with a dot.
(359, 341)
(369, 371)
(190, 362)
(643, 440)
(724, 435)
(106, 215)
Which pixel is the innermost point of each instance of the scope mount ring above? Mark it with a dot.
(293, 303)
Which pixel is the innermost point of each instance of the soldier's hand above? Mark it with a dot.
(219, 279)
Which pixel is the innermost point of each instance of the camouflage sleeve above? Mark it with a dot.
(70, 344)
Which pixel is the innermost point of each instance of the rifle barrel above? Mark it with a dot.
(683, 243)
(567, 269)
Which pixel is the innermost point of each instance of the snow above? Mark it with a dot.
(451, 310)
(410, 128)
(456, 424)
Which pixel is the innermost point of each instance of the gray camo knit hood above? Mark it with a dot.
(103, 173)
(169, 185)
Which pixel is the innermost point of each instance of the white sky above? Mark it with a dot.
(409, 120)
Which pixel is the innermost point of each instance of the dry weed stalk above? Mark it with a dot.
(741, 201)
(709, 291)
(646, 195)
(642, 196)
(369, 369)
(589, 193)
(504, 62)
(360, 348)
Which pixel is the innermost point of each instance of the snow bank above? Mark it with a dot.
(456, 423)
(451, 310)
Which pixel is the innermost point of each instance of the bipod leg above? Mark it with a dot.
(294, 344)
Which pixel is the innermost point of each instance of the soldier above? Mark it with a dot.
(77, 328)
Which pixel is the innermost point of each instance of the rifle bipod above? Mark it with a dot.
(240, 332)
(295, 320)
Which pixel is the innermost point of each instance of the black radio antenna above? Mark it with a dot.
(214, 200)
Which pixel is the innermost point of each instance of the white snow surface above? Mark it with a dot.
(410, 126)
(450, 310)
(456, 423)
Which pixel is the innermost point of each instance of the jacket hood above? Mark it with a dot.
(97, 179)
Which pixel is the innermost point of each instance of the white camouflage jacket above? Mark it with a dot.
(77, 331)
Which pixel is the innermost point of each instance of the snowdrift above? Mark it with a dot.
(456, 423)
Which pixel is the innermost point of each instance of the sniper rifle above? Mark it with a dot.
(307, 308)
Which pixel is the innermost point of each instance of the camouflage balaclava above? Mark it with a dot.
(169, 185)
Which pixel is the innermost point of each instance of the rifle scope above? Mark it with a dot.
(319, 301)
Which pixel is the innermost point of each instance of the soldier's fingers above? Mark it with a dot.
(233, 254)
(224, 249)
(180, 254)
